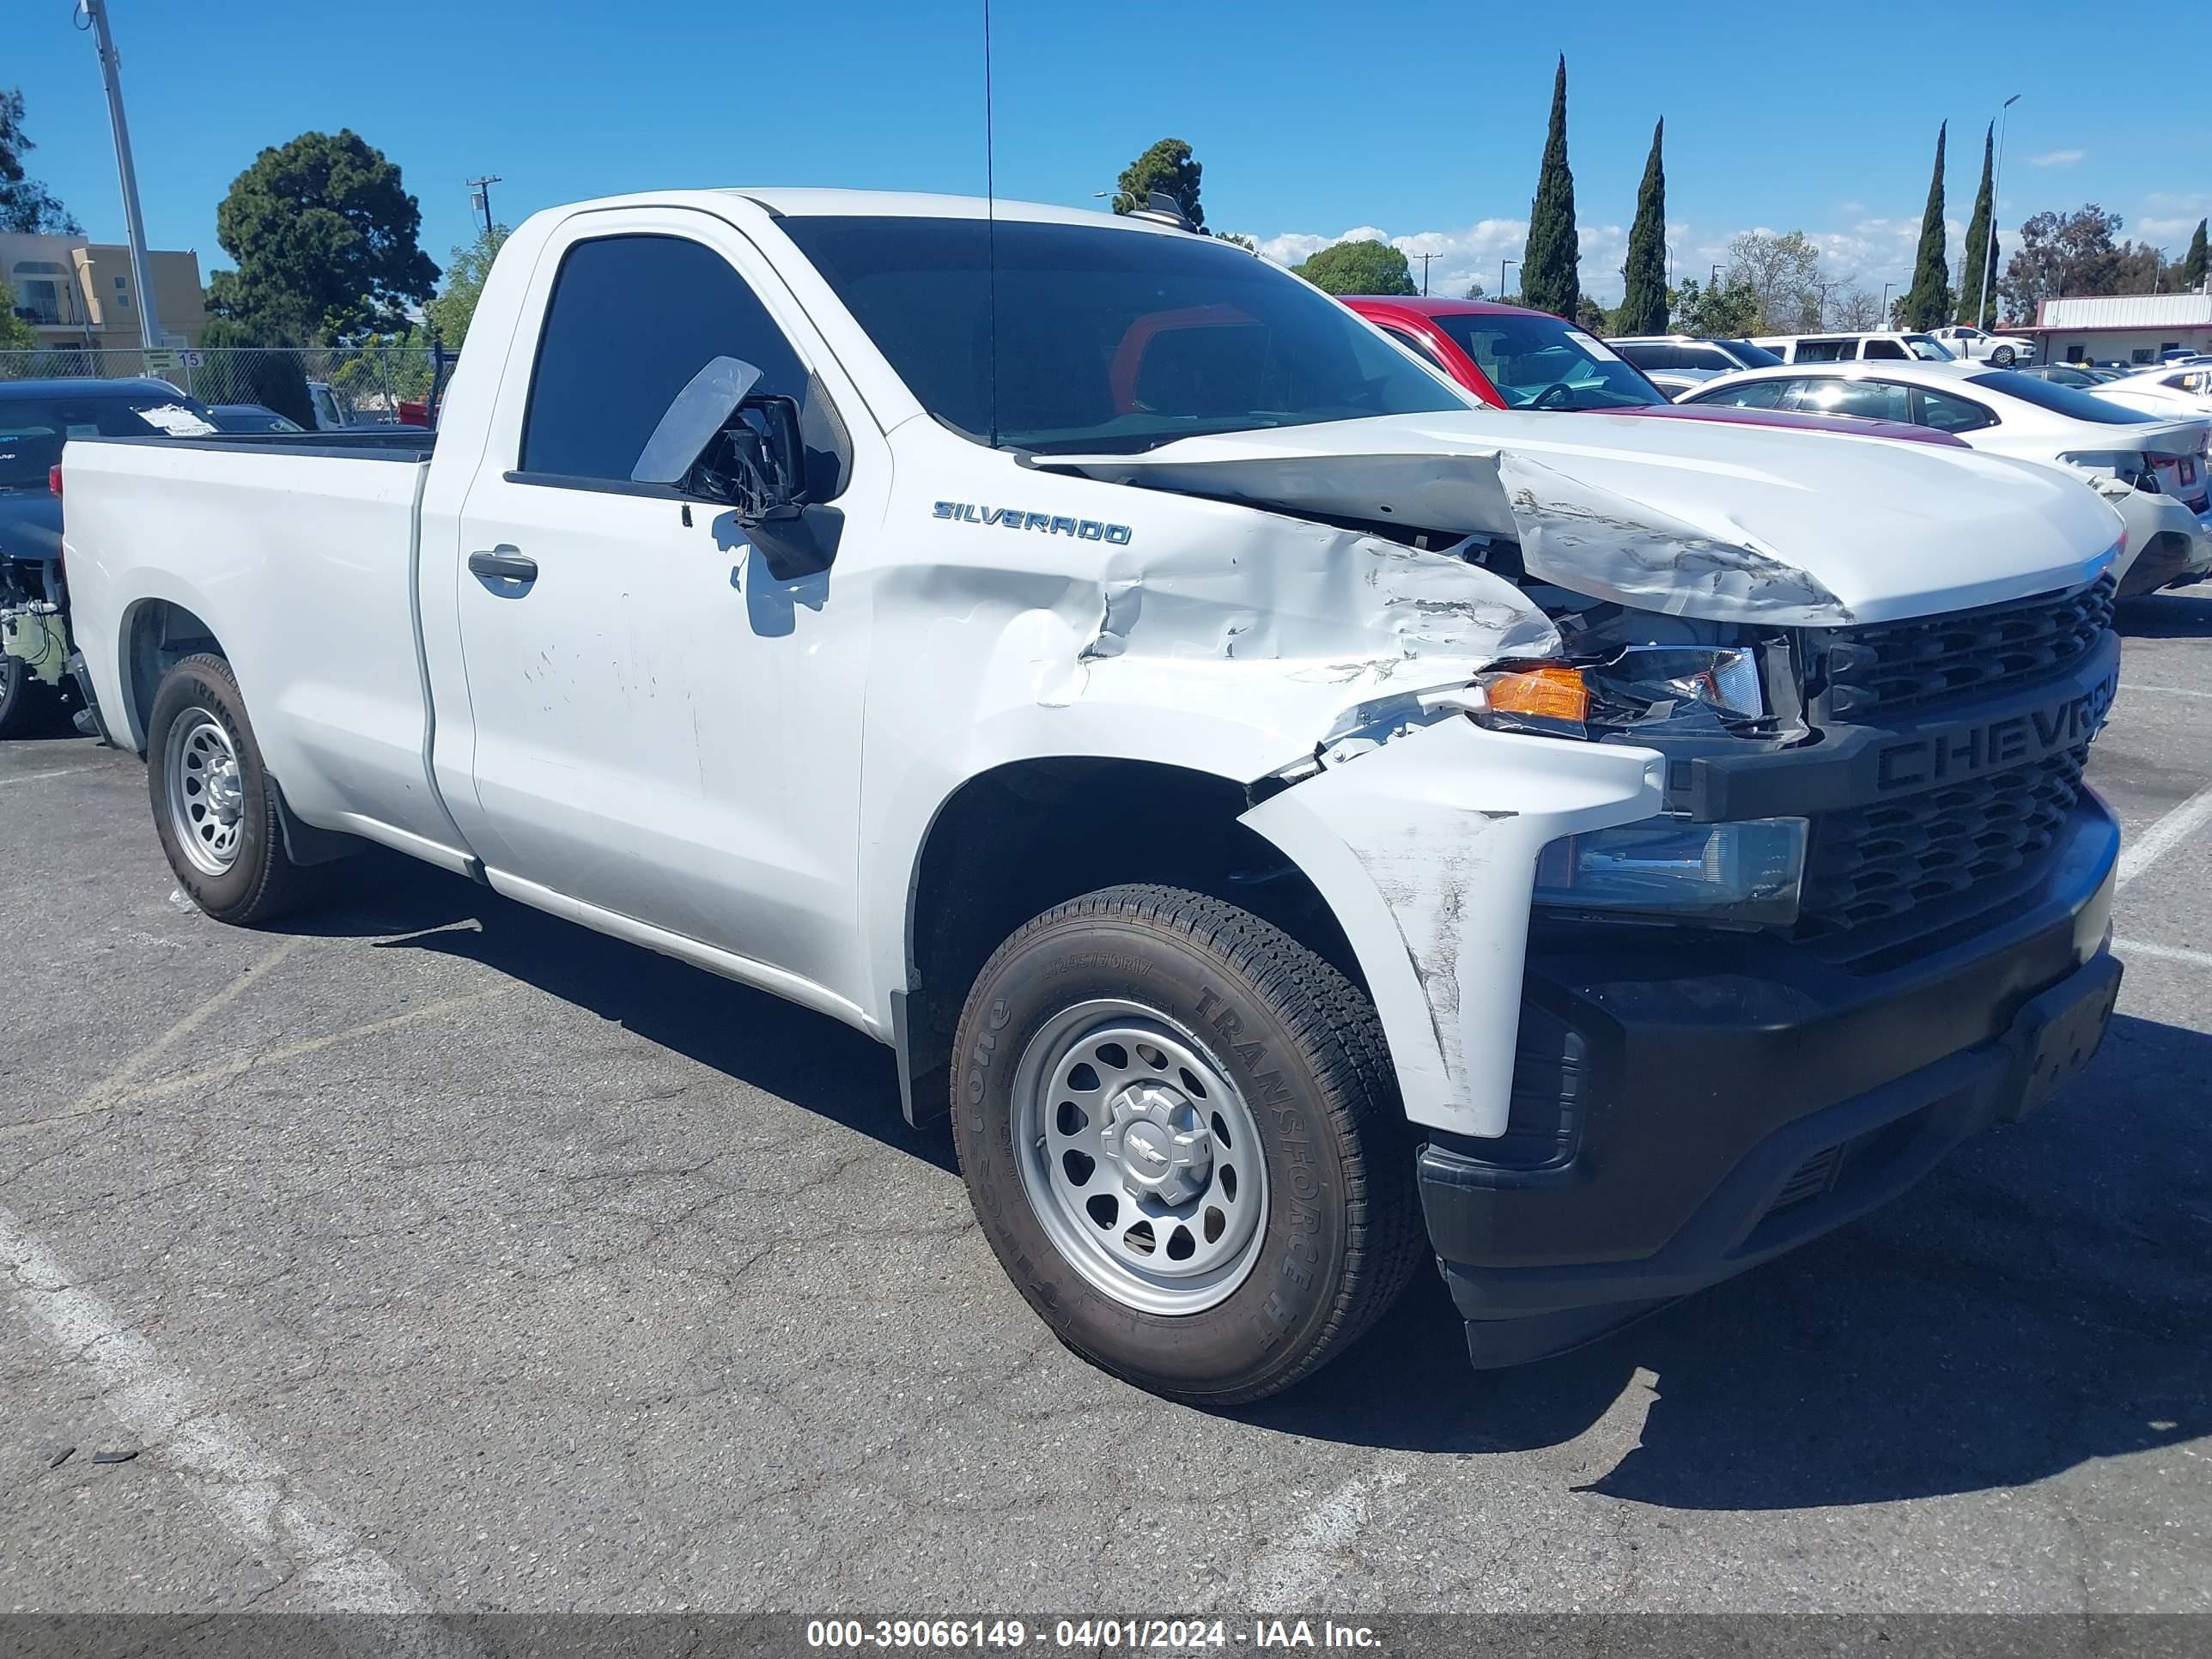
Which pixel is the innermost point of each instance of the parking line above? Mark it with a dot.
(2137, 947)
(58, 772)
(2162, 837)
(117, 1082)
(290, 1530)
(2169, 690)
(132, 1094)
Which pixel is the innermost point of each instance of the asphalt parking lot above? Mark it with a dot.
(438, 1254)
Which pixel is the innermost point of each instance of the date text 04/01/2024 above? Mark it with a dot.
(1144, 1635)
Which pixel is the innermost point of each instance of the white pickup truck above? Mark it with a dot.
(1293, 820)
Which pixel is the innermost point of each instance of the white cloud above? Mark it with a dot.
(1458, 257)
(2056, 158)
(2161, 231)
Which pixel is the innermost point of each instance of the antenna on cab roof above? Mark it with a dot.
(990, 227)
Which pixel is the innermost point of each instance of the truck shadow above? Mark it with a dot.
(804, 1057)
(2165, 616)
(2044, 1300)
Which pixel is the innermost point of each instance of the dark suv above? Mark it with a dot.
(38, 667)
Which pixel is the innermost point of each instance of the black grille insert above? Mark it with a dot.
(1873, 862)
(1890, 667)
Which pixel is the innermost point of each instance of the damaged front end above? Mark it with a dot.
(1658, 753)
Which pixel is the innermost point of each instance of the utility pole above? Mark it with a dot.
(149, 321)
(1425, 258)
(480, 195)
(1503, 266)
(1989, 249)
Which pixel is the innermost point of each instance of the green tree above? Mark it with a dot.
(1165, 166)
(1928, 301)
(25, 205)
(15, 334)
(324, 234)
(450, 313)
(1981, 257)
(1367, 267)
(1551, 274)
(2076, 253)
(1725, 311)
(1249, 244)
(1593, 317)
(2192, 268)
(1644, 306)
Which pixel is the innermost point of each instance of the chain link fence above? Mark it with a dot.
(323, 388)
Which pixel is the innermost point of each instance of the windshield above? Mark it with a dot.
(1541, 362)
(33, 429)
(2066, 400)
(1927, 349)
(1105, 339)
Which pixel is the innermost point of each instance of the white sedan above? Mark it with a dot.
(2175, 390)
(1969, 344)
(2150, 467)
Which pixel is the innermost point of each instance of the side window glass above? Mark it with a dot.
(1869, 400)
(1753, 394)
(1948, 414)
(1883, 348)
(632, 318)
(1420, 348)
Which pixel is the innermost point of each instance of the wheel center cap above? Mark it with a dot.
(227, 793)
(1160, 1142)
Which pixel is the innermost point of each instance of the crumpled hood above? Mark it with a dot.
(1746, 522)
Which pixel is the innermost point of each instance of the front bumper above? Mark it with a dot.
(1668, 1131)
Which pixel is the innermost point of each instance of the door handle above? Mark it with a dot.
(503, 564)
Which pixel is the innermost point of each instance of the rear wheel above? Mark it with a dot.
(1181, 1137)
(27, 703)
(215, 805)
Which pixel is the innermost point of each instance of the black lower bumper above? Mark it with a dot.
(1671, 1130)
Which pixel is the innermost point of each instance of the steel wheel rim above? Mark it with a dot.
(206, 791)
(1140, 1157)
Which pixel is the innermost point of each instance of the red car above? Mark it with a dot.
(1514, 358)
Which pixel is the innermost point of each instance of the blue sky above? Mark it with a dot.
(1424, 122)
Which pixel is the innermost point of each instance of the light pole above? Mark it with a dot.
(1885, 288)
(1990, 244)
(134, 226)
(1503, 266)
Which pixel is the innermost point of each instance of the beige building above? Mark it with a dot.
(82, 295)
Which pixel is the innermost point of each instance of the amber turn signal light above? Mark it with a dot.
(1549, 692)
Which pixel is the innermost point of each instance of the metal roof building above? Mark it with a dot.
(2122, 327)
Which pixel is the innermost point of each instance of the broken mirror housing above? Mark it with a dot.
(1748, 873)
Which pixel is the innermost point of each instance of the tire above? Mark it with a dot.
(2003, 357)
(27, 703)
(1320, 1231)
(200, 739)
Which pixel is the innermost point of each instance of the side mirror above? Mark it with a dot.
(721, 439)
(698, 413)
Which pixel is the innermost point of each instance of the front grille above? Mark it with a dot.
(1873, 862)
(1884, 670)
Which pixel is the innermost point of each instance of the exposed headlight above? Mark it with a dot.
(1748, 871)
(1641, 688)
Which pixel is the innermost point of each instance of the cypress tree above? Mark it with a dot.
(1644, 307)
(1980, 254)
(1928, 301)
(2192, 268)
(1551, 278)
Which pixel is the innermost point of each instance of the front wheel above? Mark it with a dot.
(215, 805)
(1180, 1135)
(2003, 357)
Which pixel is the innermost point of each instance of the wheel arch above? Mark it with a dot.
(1014, 839)
(156, 634)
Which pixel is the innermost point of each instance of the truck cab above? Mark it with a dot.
(1293, 823)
